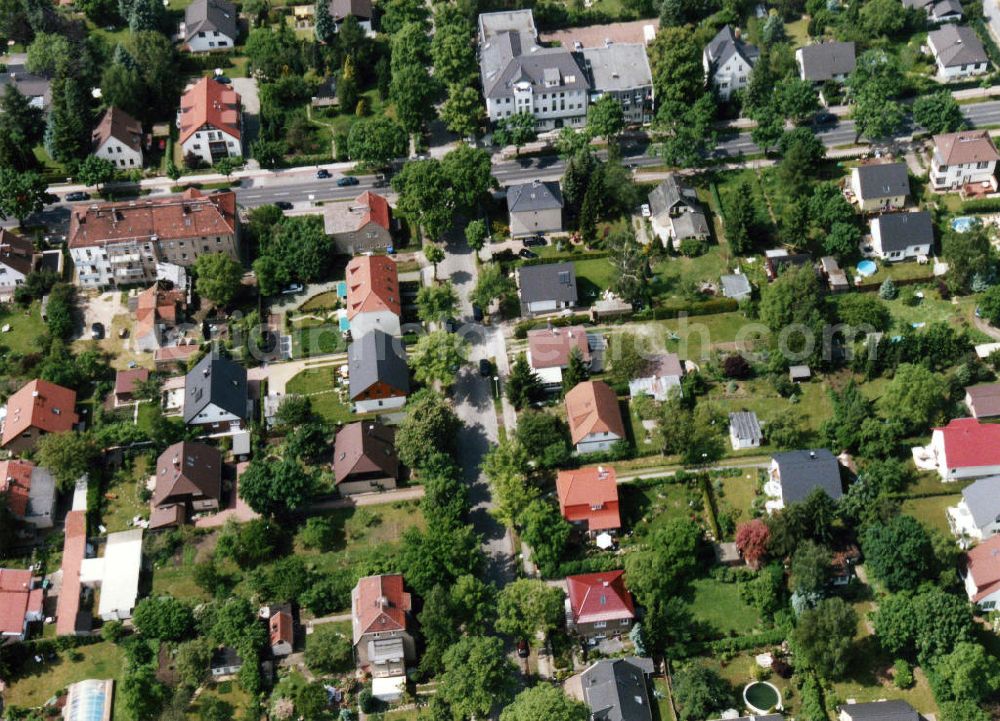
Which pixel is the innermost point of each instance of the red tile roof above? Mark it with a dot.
(126, 380)
(379, 604)
(970, 443)
(984, 567)
(372, 285)
(175, 352)
(551, 347)
(378, 209)
(970, 146)
(280, 625)
(592, 407)
(39, 404)
(16, 600)
(599, 597)
(190, 215)
(74, 549)
(15, 483)
(210, 103)
(591, 495)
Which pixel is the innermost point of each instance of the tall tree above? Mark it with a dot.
(426, 197)
(436, 303)
(824, 637)
(529, 606)
(462, 111)
(21, 194)
(899, 554)
(545, 703)
(523, 386)
(437, 356)
(478, 675)
(471, 172)
(67, 134)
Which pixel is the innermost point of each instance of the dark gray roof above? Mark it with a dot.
(823, 61)
(946, 8)
(218, 381)
(690, 225)
(745, 425)
(983, 500)
(887, 180)
(802, 472)
(361, 9)
(672, 193)
(736, 286)
(618, 67)
(535, 195)
(617, 690)
(31, 86)
(895, 710)
(211, 15)
(957, 45)
(899, 231)
(377, 357)
(725, 44)
(548, 281)
(225, 657)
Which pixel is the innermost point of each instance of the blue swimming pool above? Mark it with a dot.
(963, 224)
(867, 267)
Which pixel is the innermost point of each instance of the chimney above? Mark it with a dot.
(736, 33)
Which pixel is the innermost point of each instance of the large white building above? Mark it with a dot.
(211, 122)
(965, 448)
(965, 158)
(727, 61)
(958, 52)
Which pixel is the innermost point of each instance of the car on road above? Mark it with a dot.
(477, 313)
(380, 181)
(292, 289)
(323, 174)
(525, 253)
(346, 181)
(97, 331)
(485, 368)
(77, 195)
(824, 118)
(522, 649)
(283, 204)
(535, 240)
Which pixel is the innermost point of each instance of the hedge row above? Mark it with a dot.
(522, 328)
(564, 258)
(736, 644)
(984, 205)
(705, 307)
(594, 564)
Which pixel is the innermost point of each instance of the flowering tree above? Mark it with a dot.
(752, 539)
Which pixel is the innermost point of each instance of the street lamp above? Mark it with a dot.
(496, 384)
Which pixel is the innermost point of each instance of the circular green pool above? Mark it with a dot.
(761, 697)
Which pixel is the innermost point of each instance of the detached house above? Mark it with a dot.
(157, 311)
(880, 187)
(534, 207)
(381, 626)
(38, 408)
(373, 301)
(30, 492)
(17, 260)
(280, 629)
(965, 448)
(188, 479)
(744, 430)
(664, 372)
(728, 60)
(895, 710)
(547, 287)
(965, 158)
(982, 574)
(595, 421)
(589, 497)
(977, 515)
(210, 25)
(118, 138)
(794, 475)
(379, 376)
(675, 213)
(958, 52)
(549, 351)
(361, 226)
(618, 689)
(599, 605)
(983, 401)
(21, 599)
(902, 236)
(822, 62)
(938, 11)
(211, 122)
(360, 10)
(364, 458)
(216, 395)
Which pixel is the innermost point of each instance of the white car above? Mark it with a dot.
(646, 212)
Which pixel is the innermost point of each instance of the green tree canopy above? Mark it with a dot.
(276, 487)
(824, 637)
(529, 606)
(478, 675)
(429, 428)
(899, 553)
(436, 303)
(163, 617)
(437, 356)
(376, 141)
(328, 650)
(218, 277)
(426, 197)
(700, 692)
(545, 703)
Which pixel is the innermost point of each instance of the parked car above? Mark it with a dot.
(522, 649)
(77, 195)
(283, 204)
(525, 253)
(346, 181)
(646, 212)
(824, 118)
(223, 80)
(535, 240)
(485, 368)
(477, 313)
(97, 331)
(323, 174)
(292, 289)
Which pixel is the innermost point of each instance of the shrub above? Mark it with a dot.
(902, 674)
(736, 366)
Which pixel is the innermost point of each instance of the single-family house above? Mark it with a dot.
(364, 458)
(21, 599)
(280, 629)
(188, 479)
(727, 61)
(379, 378)
(595, 421)
(618, 689)
(902, 236)
(36, 88)
(599, 605)
(126, 382)
(373, 300)
(29, 490)
(983, 401)
(744, 430)
(662, 374)
(360, 10)
(225, 661)
(549, 351)
(622, 71)
(958, 52)
(89, 700)
(880, 187)
(675, 212)
(210, 25)
(822, 62)
(211, 122)
(17, 260)
(794, 475)
(977, 516)
(965, 448)
(118, 138)
(216, 395)
(382, 626)
(547, 287)
(361, 226)
(157, 311)
(589, 497)
(535, 207)
(965, 158)
(38, 408)
(894, 710)
(736, 286)
(938, 11)
(982, 574)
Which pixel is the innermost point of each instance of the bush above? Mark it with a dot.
(692, 247)
(329, 651)
(736, 366)
(902, 674)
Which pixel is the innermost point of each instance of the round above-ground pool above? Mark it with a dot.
(867, 267)
(963, 224)
(761, 697)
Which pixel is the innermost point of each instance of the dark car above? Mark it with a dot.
(322, 173)
(222, 79)
(525, 253)
(97, 331)
(346, 181)
(477, 313)
(824, 118)
(450, 325)
(535, 240)
(77, 195)
(522, 649)
(485, 368)
(283, 204)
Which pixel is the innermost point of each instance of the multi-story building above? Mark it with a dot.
(622, 71)
(118, 138)
(121, 243)
(964, 158)
(210, 25)
(211, 122)
(728, 60)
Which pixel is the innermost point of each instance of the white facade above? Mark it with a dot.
(565, 107)
(963, 525)
(120, 154)
(729, 78)
(597, 442)
(909, 252)
(739, 444)
(947, 473)
(986, 603)
(214, 415)
(203, 141)
(952, 176)
(207, 41)
(383, 320)
(10, 278)
(375, 405)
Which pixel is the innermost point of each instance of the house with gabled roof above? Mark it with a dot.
(880, 187)
(535, 207)
(982, 574)
(211, 122)
(188, 479)
(29, 490)
(210, 25)
(373, 299)
(977, 516)
(549, 351)
(361, 226)
(280, 628)
(118, 139)
(794, 475)
(216, 395)
(21, 599)
(126, 382)
(822, 62)
(938, 11)
(616, 689)
(965, 448)
(589, 497)
(965, 158)
(547, 287)
(157, 311)
(599, 605)
(38, 408)
(728, 60)
(662, 376)
(379, 377)
(595, 420)
(17, 260)
(983, 401)
(885, 710)
(902, 236)
(364, 458)
(744, 430)
(382, 626)
(360, 10)
(958, 52)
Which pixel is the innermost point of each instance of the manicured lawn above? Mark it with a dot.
(42, 681)
(176, 578)
(931, 511)
(759, 396)
(321, 387)
(663, 708)
(123, 502)
(932, 309)
(593, 277)
(312, 337)
(719, 605)
(737, 494)
(675, 271)
(25, 327)
(740, 671)
(645, 509)
(698, 335)
(321, 301)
